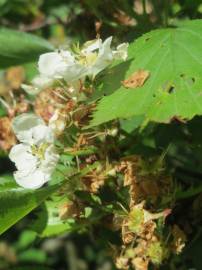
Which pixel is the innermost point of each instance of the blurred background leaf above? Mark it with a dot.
(18, 48)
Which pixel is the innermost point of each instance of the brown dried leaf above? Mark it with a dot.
(137, 79)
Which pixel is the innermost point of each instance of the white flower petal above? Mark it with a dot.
(42, 82)
(74, 72)
(105, 49)
(51, 158)
(33, 180)
(42, 134)
(121, 51)
(54, 64)
(25, 136)
(104, 58)
(21, 155)
(23, 124)
(91, 46)
(30, 89)
(38, 83)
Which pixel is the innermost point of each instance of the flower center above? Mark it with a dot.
(88, 59)
(39, 151)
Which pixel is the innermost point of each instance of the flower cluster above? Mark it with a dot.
(35, 157)
(69, 67)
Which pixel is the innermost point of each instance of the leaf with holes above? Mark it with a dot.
(173, 58)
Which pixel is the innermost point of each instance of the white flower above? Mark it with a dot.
(51, 66)
(60, 65)
(35, 157)
(97, 55)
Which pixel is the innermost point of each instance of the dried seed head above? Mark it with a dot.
(140, 263)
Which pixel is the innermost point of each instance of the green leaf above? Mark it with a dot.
(33, 255)
(27, 238)
(129, 125)
(16, 202)
(174, 88)
(88, 211)
(17, 47)
(7, 182)
(48, 222)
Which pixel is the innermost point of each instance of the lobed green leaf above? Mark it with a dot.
(174, 88)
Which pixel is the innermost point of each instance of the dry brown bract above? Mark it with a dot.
(179, 239)
(48, 101)
(94, 180)
(137, 79)
(69, 210)
(7, 137)
(140, 264)
(15, 76)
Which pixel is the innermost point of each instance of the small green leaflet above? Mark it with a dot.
(173, 57)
